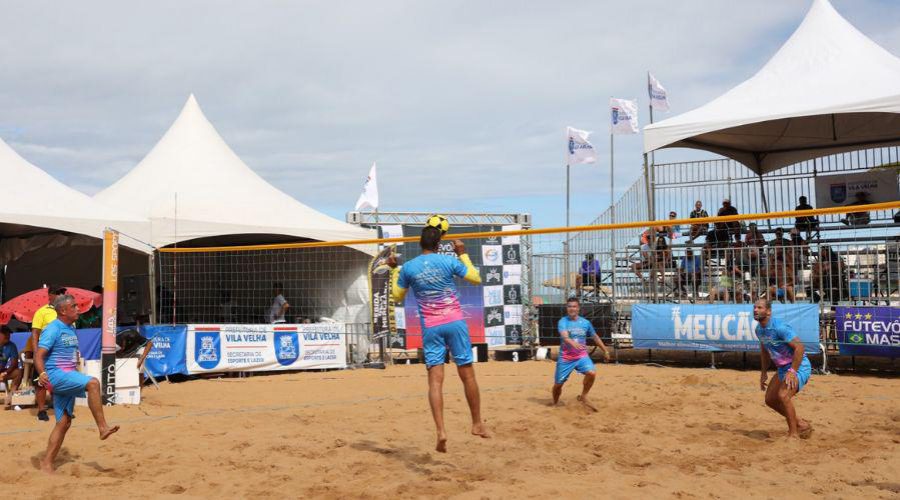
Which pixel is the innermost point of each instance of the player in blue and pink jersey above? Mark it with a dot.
(782, 347)
(56, 361)
(430, 276)
(574, 332)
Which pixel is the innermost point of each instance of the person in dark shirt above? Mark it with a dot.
(807, 223)
(129, 342)
(10, 373)
(730, 228)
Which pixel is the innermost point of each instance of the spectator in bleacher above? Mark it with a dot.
(723, 287)
(590, 272)
(808, 223)
(828, 279)
(660, 257)
(755, 241)
(800, 249)
(731, 228)
(858, 218)
(10, 373)
(690, 272)
(674, 230)
(698, 229)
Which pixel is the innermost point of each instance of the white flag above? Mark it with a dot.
(659, 99)
(623, 116)
(580, 150)
(369, 196)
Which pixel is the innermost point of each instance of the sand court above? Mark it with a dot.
(683, 432)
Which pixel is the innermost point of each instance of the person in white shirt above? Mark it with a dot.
(279, 305)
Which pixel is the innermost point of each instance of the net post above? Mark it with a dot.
(110, 302)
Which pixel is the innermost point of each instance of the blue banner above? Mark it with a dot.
(88, 342)
(868, 331)
(167, 357)
(715, 327)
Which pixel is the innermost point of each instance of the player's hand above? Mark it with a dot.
(44, 379)
(459, 247)
(763, 379)
(606, 356)
(791, 381)
(392, 261)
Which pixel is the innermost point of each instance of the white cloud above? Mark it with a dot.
(460, 102)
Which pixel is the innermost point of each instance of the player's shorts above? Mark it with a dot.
(436, 339)
(564, 368)
(66, 386)
(803, 373)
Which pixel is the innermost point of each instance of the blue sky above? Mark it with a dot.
(463, 104)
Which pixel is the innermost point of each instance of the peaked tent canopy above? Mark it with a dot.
(217, 194)
(828, 89)
(36, 203)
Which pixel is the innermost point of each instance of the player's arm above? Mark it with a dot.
(568, 340)
(39, 357)
(471, 274)
(398, 292)
(599, 342)
(791, 377)
(764, 361)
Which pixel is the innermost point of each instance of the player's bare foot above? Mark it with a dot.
(804, 429)
(480, 430)
(441, 444)
(587, 403)
(109, 431)
(47, 468)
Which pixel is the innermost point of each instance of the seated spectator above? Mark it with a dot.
(660, 257)
(674, 230)
(724, 286)
(730, 228)
(807, 223)
(754, 237)
(858, 218)
(10, 373)
(698, 229)
(690, 272)
(828, 279)
(780, 244)
(800, 250)
(590, 273)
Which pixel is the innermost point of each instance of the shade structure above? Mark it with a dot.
(24, 306)
(828, 89)
(191, 185)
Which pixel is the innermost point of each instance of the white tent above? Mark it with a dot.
(828, 89)
(50, 232)
(217, 194)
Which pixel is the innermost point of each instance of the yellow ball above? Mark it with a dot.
(439, 222)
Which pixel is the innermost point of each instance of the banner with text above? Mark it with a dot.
(868, 331)
(166, 357)
(251, 348)
(839, 190)
(716, 327)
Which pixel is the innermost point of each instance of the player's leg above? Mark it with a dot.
(12, 380)
(586, 367)
(563, 370)
(57, 435)
(96, 406)
(40, 396)
(456, 335)
(435, 353)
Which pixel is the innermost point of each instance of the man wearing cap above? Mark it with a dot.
(42, 317)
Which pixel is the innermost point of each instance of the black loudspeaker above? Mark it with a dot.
(481, 349)
(134, 299)
(600, 315)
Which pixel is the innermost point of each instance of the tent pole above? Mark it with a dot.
(151, 264)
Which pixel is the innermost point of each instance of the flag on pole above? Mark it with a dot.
(659, 99)
(623, 116)
(369, 196)
(580, 150)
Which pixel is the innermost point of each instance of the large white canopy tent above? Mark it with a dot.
(51, 233)
(827, 90)
(196, 191)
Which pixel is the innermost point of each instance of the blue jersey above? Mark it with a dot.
(579, 330)
(60, 340)
(775, 337)
(431, 278)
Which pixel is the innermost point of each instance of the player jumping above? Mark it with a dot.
(430, 275)
(574, 331)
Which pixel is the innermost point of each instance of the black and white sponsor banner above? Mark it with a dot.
(382, 307)
(501, 280)
(259, 348)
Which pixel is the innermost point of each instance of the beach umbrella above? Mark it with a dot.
(24, 306)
